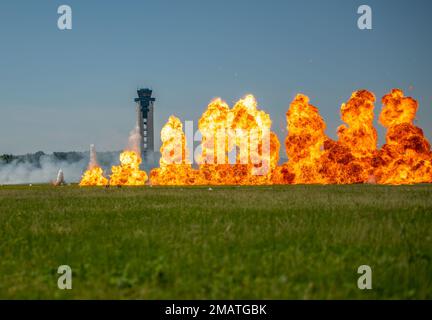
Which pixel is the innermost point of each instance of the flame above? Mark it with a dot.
(360, 136)
(406, 157)
(93, 177)
(175, 166)
(258, 147)
(350, 159)
(239, 148)
(128, 172)
(217, 142)
(244, 128)
(304, 144)
(313, 157)
(216, 138)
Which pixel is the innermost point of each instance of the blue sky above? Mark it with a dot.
(62, 90)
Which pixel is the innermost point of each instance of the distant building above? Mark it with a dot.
(145, 107)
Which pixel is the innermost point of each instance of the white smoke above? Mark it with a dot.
(60, 178)
(93, 157)
(18, 172)
(46, 168)
(134, 141)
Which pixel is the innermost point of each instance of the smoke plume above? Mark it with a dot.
(43, 168)
(134, 141)
(93, 157)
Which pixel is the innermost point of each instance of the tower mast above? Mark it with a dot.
(145, 107)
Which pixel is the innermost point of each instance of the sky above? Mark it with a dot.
(63, 90)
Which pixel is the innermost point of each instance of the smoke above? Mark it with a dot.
(134, 141)
(42, 171)
(60, 178)
(93, 158)
(44, 168)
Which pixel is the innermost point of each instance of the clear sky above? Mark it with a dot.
(62, 90)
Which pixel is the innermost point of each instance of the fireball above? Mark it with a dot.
(350, 159)
(239, 148)
(305, 140)
(406, 157)
(175, 167)
(128, 172)
(93, 177)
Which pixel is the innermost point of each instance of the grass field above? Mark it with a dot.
(287, 242)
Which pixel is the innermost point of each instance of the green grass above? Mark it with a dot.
(287, 242)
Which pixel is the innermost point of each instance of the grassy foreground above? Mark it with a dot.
(285, 242)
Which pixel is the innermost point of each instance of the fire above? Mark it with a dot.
(304, 144)
(175, 166)
(239, 148)
(217, 142)
(360, 136)
(93, 177)
(350, 159)
(128, 172)
(244, 128)
(258, 147)
(354, 158)
(406, 157)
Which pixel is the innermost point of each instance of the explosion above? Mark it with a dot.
(217, 142)
(304, 143)
(175, 166)
(258, 147)
(128, 172)
(93, 176)
(313, 157)
(406, 157)
(350, 159)
(239, 148)
(360, 136)
(244, 129)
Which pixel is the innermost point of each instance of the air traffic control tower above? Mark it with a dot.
(145, 105)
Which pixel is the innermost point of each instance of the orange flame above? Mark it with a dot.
(128, 172)
(350, 160)
(175, 167)
(258, 147)
(244, 128)
(361, 136)
(304, 144)
(243, 135)
(217, 142)
(406, 157)
(93, 177)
